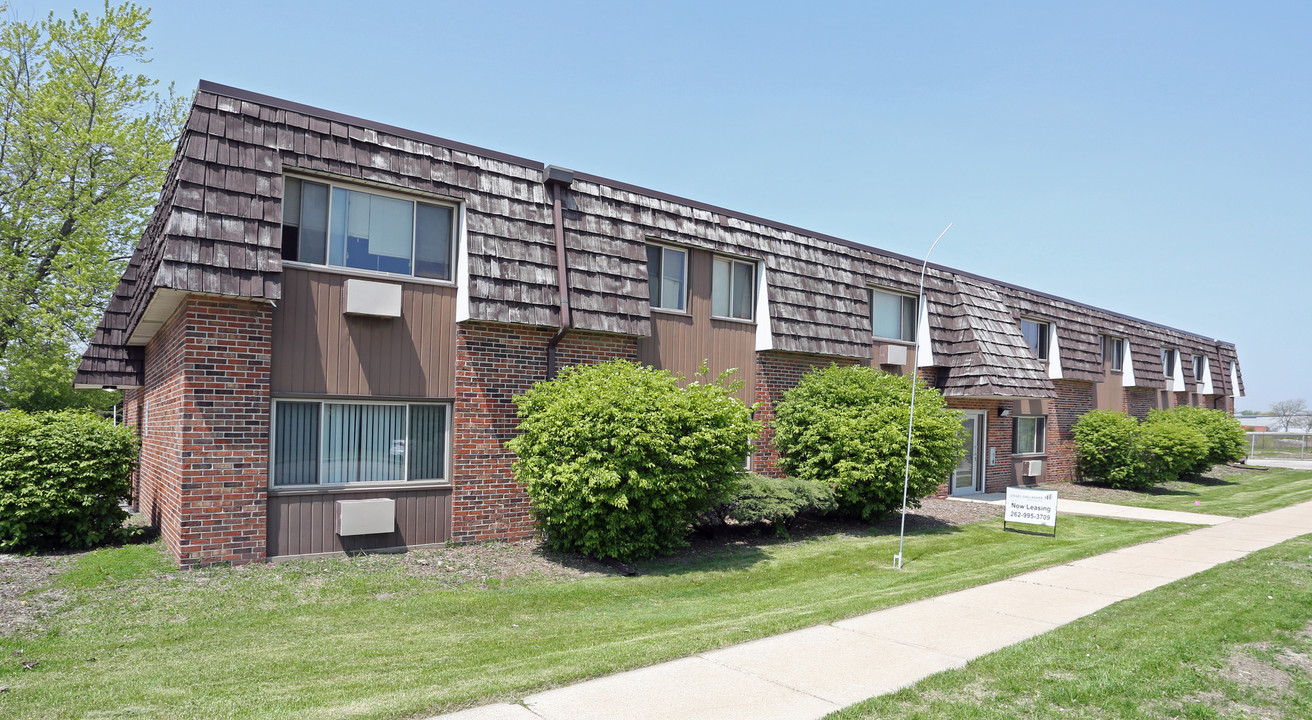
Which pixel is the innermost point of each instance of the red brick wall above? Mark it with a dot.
(775, 373)
(494, 363)
(1138, 401)
(1074, 398)
(205, 403)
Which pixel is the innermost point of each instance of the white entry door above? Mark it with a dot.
(969, 476)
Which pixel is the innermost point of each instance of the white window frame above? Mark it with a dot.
(413, 198)
(1044, 352)
(1200, 364)
(323, 486)
(751, 306)
(903, 297)
(1040, 435)
(687, 260)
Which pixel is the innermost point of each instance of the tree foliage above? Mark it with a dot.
(85, 141)
(847, 427)
(1116, 449)
(619, 459)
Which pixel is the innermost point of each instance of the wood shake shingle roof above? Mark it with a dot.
(217, 230)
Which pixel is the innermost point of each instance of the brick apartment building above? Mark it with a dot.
(323, 328)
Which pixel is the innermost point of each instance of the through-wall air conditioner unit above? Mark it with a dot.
(892, 354)
(366, 517)
(1031, 468)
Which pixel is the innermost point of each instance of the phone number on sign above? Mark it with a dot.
(1031, 516)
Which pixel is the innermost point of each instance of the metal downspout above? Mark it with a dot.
(556, 179)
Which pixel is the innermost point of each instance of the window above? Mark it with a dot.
(733, 289)
(667, 276)
(323, 224)
(892, 316)
(331, 443)
(1029, 433)
(1113, 351)
(1036, 334)
(1168, 363)
(1199, 365)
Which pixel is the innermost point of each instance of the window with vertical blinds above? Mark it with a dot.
(336, 443)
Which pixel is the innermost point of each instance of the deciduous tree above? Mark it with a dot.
(85, 141)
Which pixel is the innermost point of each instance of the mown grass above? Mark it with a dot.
(350, 639)
(1234, 641)
(1237, 493)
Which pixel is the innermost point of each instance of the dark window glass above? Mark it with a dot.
(427, 442)
(1029, 432)
(314, 223)
(654, 274)
(1168, 363)
(1036, 335)
(433, 225)
(296, 444)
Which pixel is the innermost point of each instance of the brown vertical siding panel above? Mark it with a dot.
(680, 343)
(318, 350)
(306, 523)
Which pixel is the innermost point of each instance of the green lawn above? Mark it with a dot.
(1234, 641)
(1224, 491)
(368, 639)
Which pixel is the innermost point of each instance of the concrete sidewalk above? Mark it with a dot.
(1124, 512)
(810, 673)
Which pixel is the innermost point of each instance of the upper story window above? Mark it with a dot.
(1036, 334)
(324, 224)
(733, 289)
(667, 277)
(1113, 352)
(1200, 364)
(1168, 363)
(892, 316)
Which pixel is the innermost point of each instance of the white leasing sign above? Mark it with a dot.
(1037, 507)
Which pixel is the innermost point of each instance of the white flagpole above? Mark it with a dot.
(911, 419)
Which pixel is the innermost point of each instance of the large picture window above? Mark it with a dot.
(667, 277)
(334, 443)
(1029, 432)
(323, 224)
(733, 289)
(892, 316)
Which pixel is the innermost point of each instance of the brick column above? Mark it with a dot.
(494, 363)
(777, 372)
(205, 436)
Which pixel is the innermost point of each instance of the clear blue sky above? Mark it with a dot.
(1150, 158)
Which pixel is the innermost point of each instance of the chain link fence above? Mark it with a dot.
(1279, 446)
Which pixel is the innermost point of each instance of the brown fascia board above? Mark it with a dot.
(270, 101)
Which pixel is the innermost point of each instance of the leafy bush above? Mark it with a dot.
(619, 459)
(1109, 449)
(1225, 436)
(847, 427)
(62, 476)
(1171, 447)
(762, 499)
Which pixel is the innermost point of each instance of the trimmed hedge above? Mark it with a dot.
(847, 427)
(1109, 449)
(761, 499)
(1116, 449)
(619, 459)
(62, 477)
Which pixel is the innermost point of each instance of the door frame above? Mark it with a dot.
(980, 441)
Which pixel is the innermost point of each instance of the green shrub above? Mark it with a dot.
(762, 499)
(62, 476)
(619, 459)
(1225, 436)
(847, 427)
(1109, 449)
(1171, 447)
